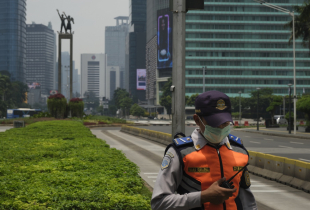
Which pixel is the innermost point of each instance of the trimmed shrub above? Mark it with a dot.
(62, 165)
(57, 105)
(76, 106)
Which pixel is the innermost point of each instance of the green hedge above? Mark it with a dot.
(61, 165)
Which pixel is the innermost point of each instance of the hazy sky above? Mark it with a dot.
(90, 18)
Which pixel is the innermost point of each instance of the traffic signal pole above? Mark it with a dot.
(178, 67)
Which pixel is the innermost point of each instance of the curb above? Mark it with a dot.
(275, 134)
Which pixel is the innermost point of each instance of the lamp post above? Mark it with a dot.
(257, 107)
(240, 105)
(293, 16)
(289, 119)
(204, 79)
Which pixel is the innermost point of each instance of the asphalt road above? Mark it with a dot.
(293, 148)
(269, 195)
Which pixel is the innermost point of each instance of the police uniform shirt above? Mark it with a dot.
(170, 176)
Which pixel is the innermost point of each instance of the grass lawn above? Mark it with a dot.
(62, 165)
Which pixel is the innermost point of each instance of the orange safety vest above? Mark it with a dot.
(204, 167)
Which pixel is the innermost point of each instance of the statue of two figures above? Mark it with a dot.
(64, 17)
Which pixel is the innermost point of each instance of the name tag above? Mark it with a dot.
(199, 170)
(237, 168)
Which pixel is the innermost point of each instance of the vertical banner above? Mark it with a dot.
(141, 79)
(164, 39)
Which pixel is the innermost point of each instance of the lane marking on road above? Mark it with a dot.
(304, 159)
(152, 177)
(248, 136)
(285, 146)
(255, 142)
(269, 139)
(149, 173)
(272, 191)
(263, 185)
(293, 142)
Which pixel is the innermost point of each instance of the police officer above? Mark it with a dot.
(194, 167)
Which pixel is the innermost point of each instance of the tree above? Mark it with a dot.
(191, 100)
(137, 110)
(303, 105)
(302, 27)
(165, 100)
(125, 104)
(5, 85)
(119, 94)
(91, 100)
(276, 101)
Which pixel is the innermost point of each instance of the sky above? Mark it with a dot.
(90, 18)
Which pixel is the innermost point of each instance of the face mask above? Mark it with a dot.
(215, 135)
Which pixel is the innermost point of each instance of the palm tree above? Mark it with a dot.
(302, 24)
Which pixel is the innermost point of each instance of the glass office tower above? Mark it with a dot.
(13, 38)
(243, 46)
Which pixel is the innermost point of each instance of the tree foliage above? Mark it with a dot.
(302, 27)
(191, 100)
(276, 102)
(12, 94)
(165, 100)
(137, 110)
(303, 105)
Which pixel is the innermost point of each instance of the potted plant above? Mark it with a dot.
(57, 105)
(76, 106)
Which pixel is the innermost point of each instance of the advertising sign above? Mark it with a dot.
(164, 39)
(141, 79)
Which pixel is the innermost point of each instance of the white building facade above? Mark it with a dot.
(93, 74)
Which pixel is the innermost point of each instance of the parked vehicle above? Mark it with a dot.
(280, 119)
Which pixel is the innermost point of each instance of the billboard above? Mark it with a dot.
(164, 39)
(141, 79)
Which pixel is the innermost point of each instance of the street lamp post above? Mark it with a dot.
(289, 108)
(204, 79)
(240, 106)
(257, 108)
(281, 9)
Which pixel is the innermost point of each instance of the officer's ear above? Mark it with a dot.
(197, 120)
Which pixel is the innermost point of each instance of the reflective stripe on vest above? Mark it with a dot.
(203, 166)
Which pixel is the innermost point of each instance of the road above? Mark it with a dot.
(269, 195)
(293, 148)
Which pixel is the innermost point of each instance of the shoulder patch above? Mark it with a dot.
(165, 163)
(182, 141)
(235, 139)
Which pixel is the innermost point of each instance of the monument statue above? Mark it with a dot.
(69, 19)
(63, 25)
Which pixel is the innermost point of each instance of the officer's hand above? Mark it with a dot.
(216, 194)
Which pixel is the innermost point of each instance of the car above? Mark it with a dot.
(280, 119)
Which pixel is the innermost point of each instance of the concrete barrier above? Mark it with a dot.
(288, 171)
(273, 167)
(284, 170)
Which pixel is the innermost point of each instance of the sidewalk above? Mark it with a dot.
(300, 133)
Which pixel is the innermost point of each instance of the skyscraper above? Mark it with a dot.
(65, 74)
(115, 45)
(40, 53)
(135, 48)
(243, 46)
(13, 38)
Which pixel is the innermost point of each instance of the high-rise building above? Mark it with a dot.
(93, 71)
(243, 46)
(135, 48)
(13, 38)
(40, 56)
(76, 82)
(65, 74)
(55, 82)
(115, 45)
(155, 80)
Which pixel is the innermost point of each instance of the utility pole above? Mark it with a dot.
(179, 9)
(178, 67)
(204, 78)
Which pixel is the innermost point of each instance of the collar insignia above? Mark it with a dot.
(221, 104)
(198, 111)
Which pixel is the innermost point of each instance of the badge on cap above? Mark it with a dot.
(221, 104)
